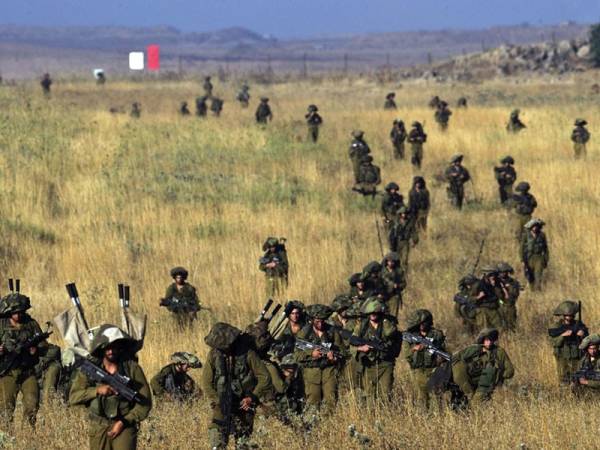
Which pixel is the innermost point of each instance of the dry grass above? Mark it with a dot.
(98, 198)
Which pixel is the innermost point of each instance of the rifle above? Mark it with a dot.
(588, 374)
(478, 256)
(323, 348)
(119, 383)
(10, 358)
(464, 301)
(72, 291)
(416, 339)
(357, 341)
(575, 327)
(226, 400)
(379, 238)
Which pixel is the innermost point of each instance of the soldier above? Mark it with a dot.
(434, 102)
(358, 150)
(319, 368)
(244, 96)
(566, 336)
(580, 136)
(373, 283)
(181, 299)
(136, 110)
(420, 360)
(113, 420)
(376, 366)
(589, 362)
(508, 290)
(506, 176)
(100, 79)
(369, 176)
(402, 236)
(457, 176)
(49, 371)
(340, 306)
(480, 368)
(235, 381)
(263, 112)
(534, 253)
(201, 107)
(416, 139)
(524, 205)
(398, 136)
(461, 102)
(465, 309)
(514, 124)
(208, 87)
(390, 101)
(442, 115)
(290, 400)
(173, 382)
(418, 203)
(18, 358)
(487, 304)
(46, 83)
(296, 319)
(391, 203)
(183, 109)
(314, 121)
(358, 292)
(394, 282)
(216, 106)
(274, 263)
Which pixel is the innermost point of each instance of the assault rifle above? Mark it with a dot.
(119, 383)
(323, 348)
(357, 341)
(10, 358)
(428, 344)
(588, 374)
(464, 301)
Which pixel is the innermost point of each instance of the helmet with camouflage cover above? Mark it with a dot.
(107, 335)
(523, 186)
(341, 303)
(515, 113)
(288, 362)
(319, 311)
(186, 358)
(354, 278)
(507, 160)
(504, 267)
(392, 185)
(354, 311)
(592, 339)
(391, 256)
(456, 158)
(487, 333)
(14, 303)
(259, 335)
(402, 210)
(373, 306)
(270, 242)
(489, 269)
(534, 223)
(419, 180)
(467, 281)
(580, 122)
(416, 124)
(566, 308)
(371, 268)
(416, 318)
(313, 108)
(222, 336)
(358, 134)
(390, 95)
(179, 271)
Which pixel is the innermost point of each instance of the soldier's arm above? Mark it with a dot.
(207, 381)
(264, 387)
(158, 382)
(141, 410)
(509, 369)
(82, 391)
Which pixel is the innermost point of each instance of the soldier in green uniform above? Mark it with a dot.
(340, 306)
(183, 109)
(376, 367)
(442, 115)
(201, 106)
(181, 299)
(136, 110)
(371, 277)
(216, 106)
(18, 359)
(235, 381)
(402, 236)
(369, 177)
(290, 400)
(113, 421)
(508, 290)
(358, 150)
(534, 253)
(434, 102)
(358, 291)
(457, 176)
(390, 102)
(263, 112)
(394, 282)
(480, 368)
(274, 263)
(419, 203)
(420, 360)
(296, 319)
(346, 313)
(244, 96)
(565, 336)
(524, 205)
(487, 314)
(314, 122)
(49, 371)
(589, 362)
(416, 139)
(466, 309)
(580, 137)
(319, 368)
(46, 83)
(173, 381)
(505, 176)
(208, 87)
(461, 102)
(398, 136)
(514, 124)
(390, 204)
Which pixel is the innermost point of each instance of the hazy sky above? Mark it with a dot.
(284, 18)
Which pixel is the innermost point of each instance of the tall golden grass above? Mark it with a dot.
(97, 198)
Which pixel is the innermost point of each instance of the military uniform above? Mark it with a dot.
(457, 176)
(390, 204)
(290, 399)
(389, 101)
(46, 83)
(534, 253)
(524, 205)
(277, 276)
(358, 150)
(398, 136)
(508, 291)
(419, 203)
(201, 107)
(461, 102)
(244, 96)
(487, 314)
(347, 313)
(506, 176)
(173, 382)
(394, 282)
(514, 124)
(580, 137)
(136, 110)
(442, 115)
(434, 102)
(263, 111)
(590, 362)
(416, 139)
(466, 310)
(105, 411)
(314, 122)
(369, 176)
(216, 106)
(401, 235)
(183, 109)
(208, 87)
(181, 300)
(49, 371)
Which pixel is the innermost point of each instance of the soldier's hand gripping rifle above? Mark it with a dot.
(323, 349)
(587, 374)
(15, 349)
(415, 339)
(119, 383)
(357, 341)
(74, 295)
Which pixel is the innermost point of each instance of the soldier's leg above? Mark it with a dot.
(461, 378)
(50, 381)
(401, 150)
(503, 195)
(421, 377)
(97, 437)
(127, 440)
(385, 383)
(244, 424)
(9, 390)
(460, 197)
(537, 266)
(312, 386)
(31, 399)
(561, 370)
(329, 389)
(393, 305)
(403, 249)
(216, 435)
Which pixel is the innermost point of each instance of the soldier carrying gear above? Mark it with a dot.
(114, 420)
(294, 310)
(420, 360)
(514, 124)
(390, 204)
(508, 290)
(442, 115)
(274, 263)
(394, 282)
(46, 83)
(314, 122)
(402, 236)
(506, 176)
(566, 336)
(464, 305)
(480, 368)
(136, 110)
(524, 205)
(201, 107)
(418, 203)
(263, 112)
(369, 176)
(371, 277)
(173, 382)
(358, 150)
(216, 106)
(457, 176)
(291, 400)
(461, 102)
(589, 364)
(390, 102)
(183, 109)
(208, 87)
(235, 381)
(181, 299)
(398, 135)
(416, 139)
(358, 289)
(534, 253)
(434, 102)
(244, 96)
(580, 137)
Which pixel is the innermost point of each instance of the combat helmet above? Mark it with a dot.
(456, 158)
(566, 308)
(179, 271)
(358, 134)
(371, 268)
(580, 122)
(222, 336)
(354, 278)
(294, 304)
(392, 185)
(319, 311)
(534, 222)
(390, 95)
(14, 303)
(259, 335)
(354, 311)
(108, 335)
(391, 256)
(416, 318)
(419, 180)
(416, 124)
(341, 303)
(403, 210)
(523, 186)
(264, 99)
(288, 362)
(313, 108)
(489, 269)
(507, 160)
(467, 281)
(270, 242)
(373, 306)
(186, 358)
(592, 339)
(515, 113)
(504, 267)
(487, 333)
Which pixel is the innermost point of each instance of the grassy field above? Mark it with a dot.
(100, 198)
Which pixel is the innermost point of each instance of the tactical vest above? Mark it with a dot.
(242, 380)
(524, 204)
(113, 406)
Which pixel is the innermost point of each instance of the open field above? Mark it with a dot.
(96, 198)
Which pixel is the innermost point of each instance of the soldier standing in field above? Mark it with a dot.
(514, 124)
(508, 290)
(274, 263)
(402, 236)
(216, 106)
(390, 102)
(357, 151)
(263, 111)
(244, 96)
(46, 83)
(442, 115)
(457, 176)
(534, 253)
(580, 137)
(183, 109)
(314, 122)
(524, 204)
(136, 110)
(369, 177)
(419, 204)
(416, 139)
(181, 299)
(398, 136)
(201, 107)
(208, 87)
(506, 177)
(394, 282)
(390, 204)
